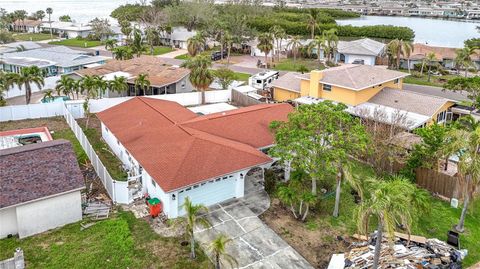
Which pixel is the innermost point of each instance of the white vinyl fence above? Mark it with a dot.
(118, 190)
(32, 111)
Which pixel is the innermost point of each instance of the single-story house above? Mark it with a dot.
(67, 29)
(40, 188)
(164, 78)
(443, 55)
(365, 51)
(368, 91)
(18, 46)
(177, 153)
(27, 26)
(56, 60)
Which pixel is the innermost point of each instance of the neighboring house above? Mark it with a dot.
(177, 38)
(443, 55)
(365, 51)
(176, 153)
(56, 60)
(67, 29)
(366, 90)
(27, 26)
(40, 187)
(164, 78)
(18, 46)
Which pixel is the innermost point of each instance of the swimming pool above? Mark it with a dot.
(55, 99)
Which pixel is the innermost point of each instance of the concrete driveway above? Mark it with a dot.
(254, 245)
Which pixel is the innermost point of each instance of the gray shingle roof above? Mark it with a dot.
(36, 171)
(289, 81)
(365, 46)
(409, 101)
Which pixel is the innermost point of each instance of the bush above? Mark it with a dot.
(271, 180)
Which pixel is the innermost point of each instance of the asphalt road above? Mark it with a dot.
(436, 91)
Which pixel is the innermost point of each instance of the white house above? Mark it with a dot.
(174, 153)
(68, 29)
(40, 187)
(361, 51)
(177, 38)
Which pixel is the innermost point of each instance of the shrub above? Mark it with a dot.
(271, 180)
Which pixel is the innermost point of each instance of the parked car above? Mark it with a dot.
(217, 55)
(357, 61)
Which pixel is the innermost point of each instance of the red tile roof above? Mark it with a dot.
(179, 148)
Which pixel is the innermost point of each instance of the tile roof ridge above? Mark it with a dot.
(350, 77)
(231, 112)
(418, 93)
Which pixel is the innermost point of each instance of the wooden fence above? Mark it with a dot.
(242, 99)
(438, 182)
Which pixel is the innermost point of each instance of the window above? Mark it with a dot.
(196, 186)
(106, 129)
(396, 81)
(154, 183)
(442, 116)
(327, 87)
(189, 188)
(218, 179)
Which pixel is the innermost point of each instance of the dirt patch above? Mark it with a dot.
(54, 124)
(315, 241)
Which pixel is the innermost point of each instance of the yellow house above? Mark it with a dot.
(363, 88)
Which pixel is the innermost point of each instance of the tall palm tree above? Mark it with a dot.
(28, 76)
(217, 247)
(312, 21)
(317, 43)
(122, 53)
(151, 35)
(195, 44)
(331, 43)
(394, 51)
(101, 85)
(49, 11)
(407, 49)
(118, 84)
(265, 45)
(393, 202)
(228, 39)
(200, 74)
(64, 85)
(142, 83)
(193, 216)
(137, 43)
(467, 143)
(463, 58)
(430, 58)
(294, 44)
(278, 34)
(110, 45)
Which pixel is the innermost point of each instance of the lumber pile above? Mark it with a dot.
(97, 210)
(419, 253)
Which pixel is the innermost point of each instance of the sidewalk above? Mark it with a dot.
(173, 54)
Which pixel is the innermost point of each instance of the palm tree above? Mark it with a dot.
(200, 74)
(195, 44)
(101, 85)
(463, 59)
(118, 84)
(407, 49)
(90, 86)
(392, 202)
(122, 53)
(265, 45)
(217, 247)
(142, 83)
(4, 86)
(317, 43)
(151, 36)
(467, 143)
(193, 217)
(430, 59)
(48, 95)
(64, 85)
(49, 12)
(294, 44)
(110, 44)
(312, 22)
(278, 34)
(26, 77)
(397, 48)
(137, 44)
(228, 39)
(331, 43)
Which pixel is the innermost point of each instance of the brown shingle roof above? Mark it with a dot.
(179, 148)
(27, 22)
(36, 171)
(409, 101)
(159, 72)
(357, 77)
(421, 50)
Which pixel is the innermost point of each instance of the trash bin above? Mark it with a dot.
(453, 239)
(155, 206)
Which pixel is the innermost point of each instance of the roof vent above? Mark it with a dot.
(396, 101)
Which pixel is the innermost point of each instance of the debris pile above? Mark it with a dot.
(97, 210)
(416, 254)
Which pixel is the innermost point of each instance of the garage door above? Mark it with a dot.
(208, 193)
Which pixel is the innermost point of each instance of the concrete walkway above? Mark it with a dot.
(254, 244)
(173, 54)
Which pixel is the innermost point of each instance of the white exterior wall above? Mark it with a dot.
(43, 215)
(368, 60)
(116, 147)
(8, 222)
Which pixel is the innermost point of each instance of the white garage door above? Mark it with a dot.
(208, 193)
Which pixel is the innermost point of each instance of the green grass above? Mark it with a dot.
(32, 37)
(183, 57)
(241, 76)
(74, 42)
(291, 65)
(119, 242)
(159, 50)
(111, 162)
(435, 81)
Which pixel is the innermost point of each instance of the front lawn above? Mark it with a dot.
(159, 50)
(32, 37)
(185, 56)
(119, 242)
(74, 42)
(435, 81)
(242, 76)
(317, 238)
(290, 65)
